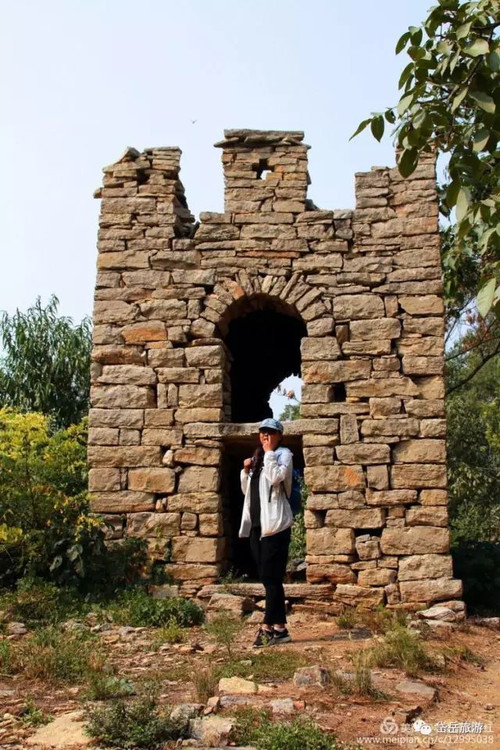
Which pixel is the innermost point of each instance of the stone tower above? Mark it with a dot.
(196, 324)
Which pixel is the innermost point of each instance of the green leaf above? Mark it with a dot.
(480, 139)
(477, 47)
(462, 204)
(494, 61)
(483, 100)
(390, 116)
(416, 35)
(457, 101)
(360, 128)
(485, 297)
(402, 42)
(405, 75)
(408, 162)
(404, 103)
(377, 127)
(463, 30)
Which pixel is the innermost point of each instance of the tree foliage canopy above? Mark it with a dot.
(45, 363)
(450, 104)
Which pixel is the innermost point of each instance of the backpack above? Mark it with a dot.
(295, 498)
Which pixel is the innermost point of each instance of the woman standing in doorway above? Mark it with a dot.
(266, 482)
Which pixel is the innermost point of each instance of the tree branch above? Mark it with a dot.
(484, 360)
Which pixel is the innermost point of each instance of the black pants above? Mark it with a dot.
(271, 554)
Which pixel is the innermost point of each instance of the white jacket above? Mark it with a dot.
(275, 512)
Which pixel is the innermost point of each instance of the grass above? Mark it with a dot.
(224, 628)
(138, 609)
(32, 716)
(103, 687)
(463, 654)
(205, 682)
(257, 729)
(169, 633)
(133, 725)
(53, 656)
(401, 648)
(347, 619)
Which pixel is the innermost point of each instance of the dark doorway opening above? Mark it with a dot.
(236, 449)
(264, 340)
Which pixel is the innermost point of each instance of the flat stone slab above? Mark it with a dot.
(292, 590)
(415, 687)
(64, 732)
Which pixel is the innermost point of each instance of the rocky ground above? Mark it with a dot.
(460, 701)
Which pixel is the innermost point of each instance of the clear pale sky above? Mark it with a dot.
(83, 79)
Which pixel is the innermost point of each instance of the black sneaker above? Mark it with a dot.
(264, 638)
(280, 636)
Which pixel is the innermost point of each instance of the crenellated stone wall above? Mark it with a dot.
(363, 288)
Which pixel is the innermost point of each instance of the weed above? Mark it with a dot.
(39, 603)
(463, 653)
(363, 678)
(223, 629)
(136, 725)
(205, 682)
(339, 681)
(5, 657)
(56, 657)
(381, 619)
(138, 609)
(32, 716)
(400, 648)
(102, 687)
(169, 633)
(257, 728)
(347, 619)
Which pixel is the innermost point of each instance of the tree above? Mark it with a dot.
(450, 104)
(45, 363)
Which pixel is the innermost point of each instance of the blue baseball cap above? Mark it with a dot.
(271, 424)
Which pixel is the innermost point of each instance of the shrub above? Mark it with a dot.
(32, 716)
(205, 682)
(138, 609)
(347, 619)
(102, 687)
(257, 728)
(400, 648)
(137, 725)
(40, 603)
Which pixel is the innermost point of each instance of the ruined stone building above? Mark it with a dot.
(195, 325)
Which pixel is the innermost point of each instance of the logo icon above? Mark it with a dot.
(421, 726)
(389, 726)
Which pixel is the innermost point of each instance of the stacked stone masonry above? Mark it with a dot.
(366, 284)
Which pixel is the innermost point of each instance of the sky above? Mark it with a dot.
(83, 79)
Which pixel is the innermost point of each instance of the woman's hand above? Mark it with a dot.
(268, 441)
(247, 463)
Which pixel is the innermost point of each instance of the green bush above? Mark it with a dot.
(135, 725)
(256, 728)
(401, 648)
(137, 608)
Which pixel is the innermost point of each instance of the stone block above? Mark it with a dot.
(423, 365)
(178, 375)
(319, 348)
(418, 476)
(107, 480)
(330, 541)
(201, 395)
(123, 456)
(204, 356)
(151, 480)
(430, 590)
(144, 333)
(427, 515)
(400, 427)
(417, 567)
(368, 547)
(198, 456)
(360, 518)
(103, 436)
(363, 453)
(210, 524)
(384, 407)
(197, 549)
(376, 577)
(336, 372)
(130, 418)
(127, 375)
(334, 478)
(195, 502)
(358, 306)
(359, 596)
(160, 436)
(433, 497)
(349, 432)
(383, 387)
(122, 502)
(332, 572)
(156, 525)
(199, 479)
(423, 304)
(415, 540)
(377, 477)
(420, 451)
(372, 330)
(390, 497)
(122, 397)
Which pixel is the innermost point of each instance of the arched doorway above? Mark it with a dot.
(262, 336)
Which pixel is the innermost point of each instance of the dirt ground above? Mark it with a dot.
(465, 711)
